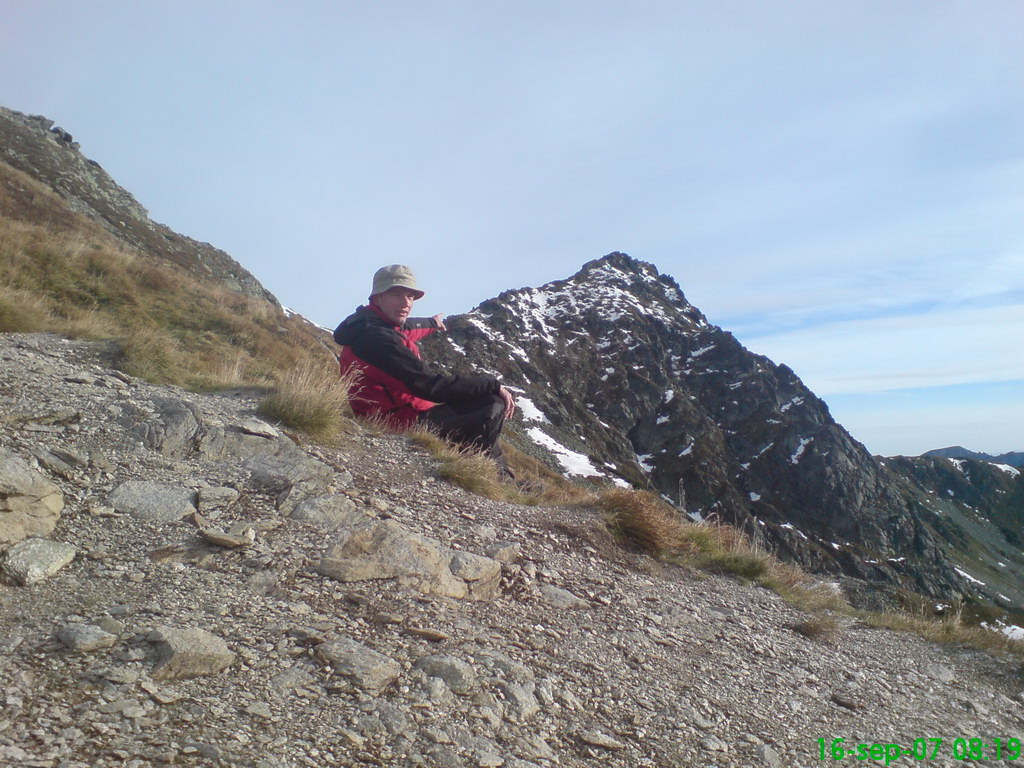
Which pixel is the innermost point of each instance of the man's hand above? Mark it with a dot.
(510, 402)
(439, 319)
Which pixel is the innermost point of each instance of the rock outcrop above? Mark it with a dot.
(30, 505)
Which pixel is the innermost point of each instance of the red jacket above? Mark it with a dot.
(391, 380)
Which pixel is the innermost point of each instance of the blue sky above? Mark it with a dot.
(838, 183)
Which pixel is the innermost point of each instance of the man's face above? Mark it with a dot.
(395, 303)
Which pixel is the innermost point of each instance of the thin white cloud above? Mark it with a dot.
(970, 345)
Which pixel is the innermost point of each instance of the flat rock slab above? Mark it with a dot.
(86, 637)
(291, 475)
(601, 739)
(363, 667)
(188, 652)
(219, 497)
(33, 560)
(457, 674)
(561, 598)
(149, 500)
(331, 511)
(30, 505)
(385, 549)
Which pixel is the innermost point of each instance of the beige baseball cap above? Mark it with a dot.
(395, 274)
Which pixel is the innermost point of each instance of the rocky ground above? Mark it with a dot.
(184, 585)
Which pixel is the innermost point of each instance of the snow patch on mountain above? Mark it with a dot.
(530, 411)
(572, 462)
(1007, 469)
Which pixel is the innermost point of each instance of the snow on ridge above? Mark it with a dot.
(289, 312)
(958, 463)
(797, 531)
(606, 288)
(968, 576)
(1012, 631)
(478, 323)
(573, 463)
(1006, 468)
(701, 351)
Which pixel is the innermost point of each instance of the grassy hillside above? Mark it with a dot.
(62, 272)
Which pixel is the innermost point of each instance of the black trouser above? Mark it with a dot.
(474, 423)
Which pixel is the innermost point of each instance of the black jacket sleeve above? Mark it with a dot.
(383, 348)
(420, 322)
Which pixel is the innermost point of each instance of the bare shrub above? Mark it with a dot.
(311, 398)
(646, 521)
(22, 311)
(152, 354)
(823, 628)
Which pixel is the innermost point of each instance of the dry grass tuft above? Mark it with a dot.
(647, 522)
(22, 312)
(947, 630)
(312, 399)
(541, 485)
(464, 467)
(151, 353)
(823, 628)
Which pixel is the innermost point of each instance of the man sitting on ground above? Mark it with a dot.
(391, 381)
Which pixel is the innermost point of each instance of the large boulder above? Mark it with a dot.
(385, 549)
(173, 431)
(30, 505)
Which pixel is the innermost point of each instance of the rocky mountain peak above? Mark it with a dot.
(602, 293)
(621, 379)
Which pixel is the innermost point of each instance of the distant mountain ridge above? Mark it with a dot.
(1012, 458)
(622, 377)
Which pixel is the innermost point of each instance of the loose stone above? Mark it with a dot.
(86, 637)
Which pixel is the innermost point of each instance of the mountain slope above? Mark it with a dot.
(623, 378)
(80, 257)
(977, 507)
(156, 645)
(34, 146)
